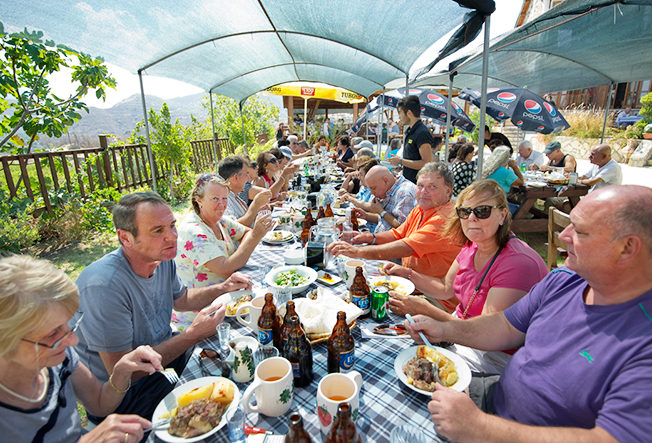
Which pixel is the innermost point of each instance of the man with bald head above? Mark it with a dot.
(605, 171)
(583, 371)
(393, 200)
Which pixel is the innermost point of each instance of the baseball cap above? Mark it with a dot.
(287, 152)
(551, 147)
(356, 140)
(364, 144)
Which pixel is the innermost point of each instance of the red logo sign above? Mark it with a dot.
(305, 90)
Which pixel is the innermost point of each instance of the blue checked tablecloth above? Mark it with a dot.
(384, 402)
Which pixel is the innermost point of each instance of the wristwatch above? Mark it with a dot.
(382, 214)
(400, 162)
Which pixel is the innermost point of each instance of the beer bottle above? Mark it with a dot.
(305, 235)
(341, 346)
(285, 328)
(343, 429)
(298, 351)
(329, 211)
(354, 221)
(269, 329)
(360, 291)
(296, 433)
(308, 221)
(321, 213)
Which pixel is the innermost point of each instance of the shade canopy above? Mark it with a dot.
(577, 44)
(237, 48)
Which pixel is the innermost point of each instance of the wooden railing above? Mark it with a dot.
(123, 167)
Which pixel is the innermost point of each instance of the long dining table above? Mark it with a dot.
(385, 402)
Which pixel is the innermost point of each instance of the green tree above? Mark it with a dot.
(259, 115)
(26, 99)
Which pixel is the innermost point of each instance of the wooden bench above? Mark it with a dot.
(557, 222)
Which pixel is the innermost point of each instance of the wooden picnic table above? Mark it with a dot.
(539, 221)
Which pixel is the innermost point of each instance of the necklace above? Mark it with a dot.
(27, 399)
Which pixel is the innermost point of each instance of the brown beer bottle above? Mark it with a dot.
(341, 346)
(321, 213)
(285, 328)
(343, 429)
(305, 235)
(269, 328)
(354, 221)
(298, 351)
(296, 433)
(360, 291)
(329, 211)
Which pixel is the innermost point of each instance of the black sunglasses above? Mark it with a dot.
(273, 160)
(481, 212)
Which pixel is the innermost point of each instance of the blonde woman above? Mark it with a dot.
(41, 377)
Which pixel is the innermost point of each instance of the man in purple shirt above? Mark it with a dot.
(583, 372)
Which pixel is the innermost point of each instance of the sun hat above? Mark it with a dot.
(287, 152)
(363, 144)
(552, 147)
(356, 140)
(497, 159)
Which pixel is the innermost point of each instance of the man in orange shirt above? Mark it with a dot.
(418, 241)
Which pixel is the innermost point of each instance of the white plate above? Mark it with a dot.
(463, 371)
(170, 402)
(303, 270)
(405, 286)
(230, 297)
(286, 236)
(334, 278)
(341, 212)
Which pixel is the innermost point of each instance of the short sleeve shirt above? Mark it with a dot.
(348, 154)
(463, 175)
(535, 158)
(235, 208)
(504, 177)
(581, 365)
(416, 136)
(197, 245)
(610, 174)
(399, 200)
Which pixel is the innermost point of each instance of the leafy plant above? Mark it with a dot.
(18, 228)
(646, 110)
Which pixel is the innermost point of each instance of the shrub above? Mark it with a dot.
(18, 228)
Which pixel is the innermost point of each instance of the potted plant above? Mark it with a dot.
(647, 132)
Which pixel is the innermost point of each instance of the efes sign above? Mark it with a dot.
(306, 90)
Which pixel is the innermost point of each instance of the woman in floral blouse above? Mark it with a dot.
(208, 250)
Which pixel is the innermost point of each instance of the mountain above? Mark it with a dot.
(120, 120)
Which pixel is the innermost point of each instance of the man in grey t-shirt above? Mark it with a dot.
(127, 298)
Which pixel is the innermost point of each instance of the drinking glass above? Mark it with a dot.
(224, 337)
(263, 353)
(283, 295)
(236, 426)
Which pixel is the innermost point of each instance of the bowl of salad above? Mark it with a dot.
(297, 278)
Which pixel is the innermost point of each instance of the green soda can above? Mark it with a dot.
(379, 299)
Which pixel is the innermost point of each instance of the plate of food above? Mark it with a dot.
(413, 366)
(278, 237)
(297, 278)
(233, 300)
(340, 212)
(328, 278)
(393, 283)
(196, 409)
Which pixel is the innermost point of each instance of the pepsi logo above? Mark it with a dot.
(457, 108)
(436, 99)
(442, 116)
(532, 106)
(506, 97)
(415, 91)
(501, 115)
(540, 128)
(519, 123)
(550, 109)
(422, 109)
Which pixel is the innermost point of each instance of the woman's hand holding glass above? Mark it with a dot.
(263, 225)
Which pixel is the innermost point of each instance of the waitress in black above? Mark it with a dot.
(418, 140)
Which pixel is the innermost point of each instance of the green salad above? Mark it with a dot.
(290, 278)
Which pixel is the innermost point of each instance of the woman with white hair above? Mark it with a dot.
(503, 171)
(41, 377)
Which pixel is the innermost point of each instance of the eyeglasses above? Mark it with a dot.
(216, 367)
(481, 212)
(273, 160)
(54, 346)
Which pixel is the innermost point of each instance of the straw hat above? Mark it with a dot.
(497, 159)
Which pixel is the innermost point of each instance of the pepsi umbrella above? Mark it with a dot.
(527, 110)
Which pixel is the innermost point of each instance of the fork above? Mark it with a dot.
(435, 368)
(170, 375)
(162, 424)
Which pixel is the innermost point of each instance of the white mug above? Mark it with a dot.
(334, 389)
(273, 386)
(243, 358)
(349, 271)
(255, 307)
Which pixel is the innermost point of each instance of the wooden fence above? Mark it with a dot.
(122, 167)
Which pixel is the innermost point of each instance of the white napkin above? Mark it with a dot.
(320, 315)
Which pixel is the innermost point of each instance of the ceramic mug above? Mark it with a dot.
(334, 389)
(349, 271)
(273, 386)
(255, 306)
(243, 358)
(285, 218)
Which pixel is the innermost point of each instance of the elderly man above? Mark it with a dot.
(298, 150)
(232, 169)
(528, 156)
(557, 159)
(605, 171)
(583, 371)
(418, 241)
(418, 139)
(127, 298)
(394, 198)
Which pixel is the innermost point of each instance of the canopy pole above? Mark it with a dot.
(380, 124)
(366, 119)
(244, 134)
(448, 114)
(210, 95)
(606, 111)
(305, 119)
(483, 101)
(149, 143)
(407, 89)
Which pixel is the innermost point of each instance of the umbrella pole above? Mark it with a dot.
(448, 114)
(149, 143)
(483, 101)
(210, 95)
(380, 121)
(606, 111)
(244, 134)
(305, 119)
(366, 119)
(407, 89)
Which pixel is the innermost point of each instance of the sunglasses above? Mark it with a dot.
(211, 364)
(54, 346)
(482, 212)
(273, 160)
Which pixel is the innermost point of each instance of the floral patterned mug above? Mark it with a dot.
(273, 386)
